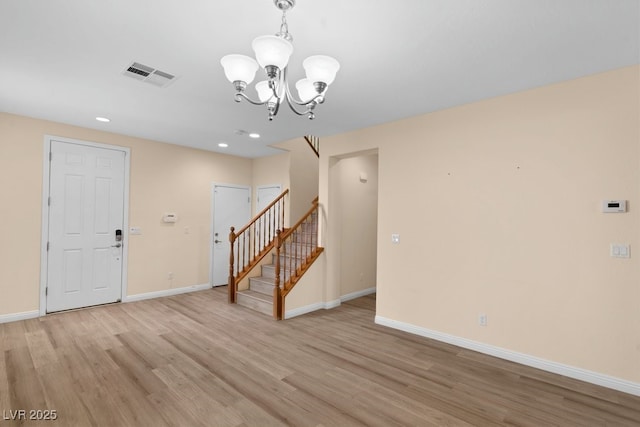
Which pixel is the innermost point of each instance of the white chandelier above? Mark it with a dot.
(272, 55)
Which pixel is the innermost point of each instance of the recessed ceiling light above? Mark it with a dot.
(103, 119)
(223, 145)
(254, 135)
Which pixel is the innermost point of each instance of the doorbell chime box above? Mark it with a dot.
(169, 217)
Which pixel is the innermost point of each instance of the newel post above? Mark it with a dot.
(232, 279)
(277, 292)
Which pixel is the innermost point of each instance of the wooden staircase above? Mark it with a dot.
(292, 253)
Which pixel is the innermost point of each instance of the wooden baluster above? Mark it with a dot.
(277, 292)
(256, 238)
(232, 279)
(297, 247)
(245, 248)
(266, 226)
(307, 245)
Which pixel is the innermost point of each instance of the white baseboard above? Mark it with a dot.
(358, 294)
(312, 307)
(303, 310)
(523, 359)
(327, 305)
(166, 293)
(331, 304)
(14, 317)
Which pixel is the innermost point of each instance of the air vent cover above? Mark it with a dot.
(148, 74)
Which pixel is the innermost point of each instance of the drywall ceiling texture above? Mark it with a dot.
(62, 60)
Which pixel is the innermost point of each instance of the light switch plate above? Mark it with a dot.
(395, 238)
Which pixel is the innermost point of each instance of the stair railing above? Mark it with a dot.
(253, 241)
(296, 249)
(314, 143)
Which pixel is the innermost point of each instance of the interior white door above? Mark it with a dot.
(266, 194)
(231, 207)
(266, 229)
(86, 217)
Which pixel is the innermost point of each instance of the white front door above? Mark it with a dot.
(231, 208)
(86, 220)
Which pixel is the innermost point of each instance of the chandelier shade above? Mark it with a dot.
(272, 55)
(272, 50)
(306, 91)
(239, 68)
(265, 93)
(321, 68)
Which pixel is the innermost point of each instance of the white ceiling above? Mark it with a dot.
(62, 60)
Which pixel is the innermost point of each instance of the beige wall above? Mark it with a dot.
(163, 178)
(269, 171)
(303, 176)
(498, 208)
(357, 206)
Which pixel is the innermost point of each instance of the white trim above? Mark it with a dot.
(14, 317)
(45, 212)
(303, 310)
(513, 356)
(332, 304)
(312, 307)
(358, 294)
(166, 293)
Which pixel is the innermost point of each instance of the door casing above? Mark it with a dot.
(45, 212)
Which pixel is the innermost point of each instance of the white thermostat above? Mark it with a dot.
(169, 217)
(609, 206)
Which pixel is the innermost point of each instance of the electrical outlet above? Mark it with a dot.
(482, 319)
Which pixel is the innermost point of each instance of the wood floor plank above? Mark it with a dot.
(5, 402)
(40, 348)
(12, 335)
(25, 390)
(194, 360)
(68, 406)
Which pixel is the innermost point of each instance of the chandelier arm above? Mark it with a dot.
(294, 109)
(240, 95)
(274, 88)
(277, 107)
(318, 99)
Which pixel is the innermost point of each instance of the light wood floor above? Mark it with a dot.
(193, 360)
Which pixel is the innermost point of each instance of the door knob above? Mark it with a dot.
(117, 245)
(217, 241)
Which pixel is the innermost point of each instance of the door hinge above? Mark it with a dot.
(46, 291)
(47, 246)
(49, 201)
(50, 155)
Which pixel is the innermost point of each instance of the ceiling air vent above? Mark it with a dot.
(148, 74)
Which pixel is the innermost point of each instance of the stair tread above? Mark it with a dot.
(257, 295)
(263, 279)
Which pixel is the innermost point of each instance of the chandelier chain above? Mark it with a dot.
(284, 27)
